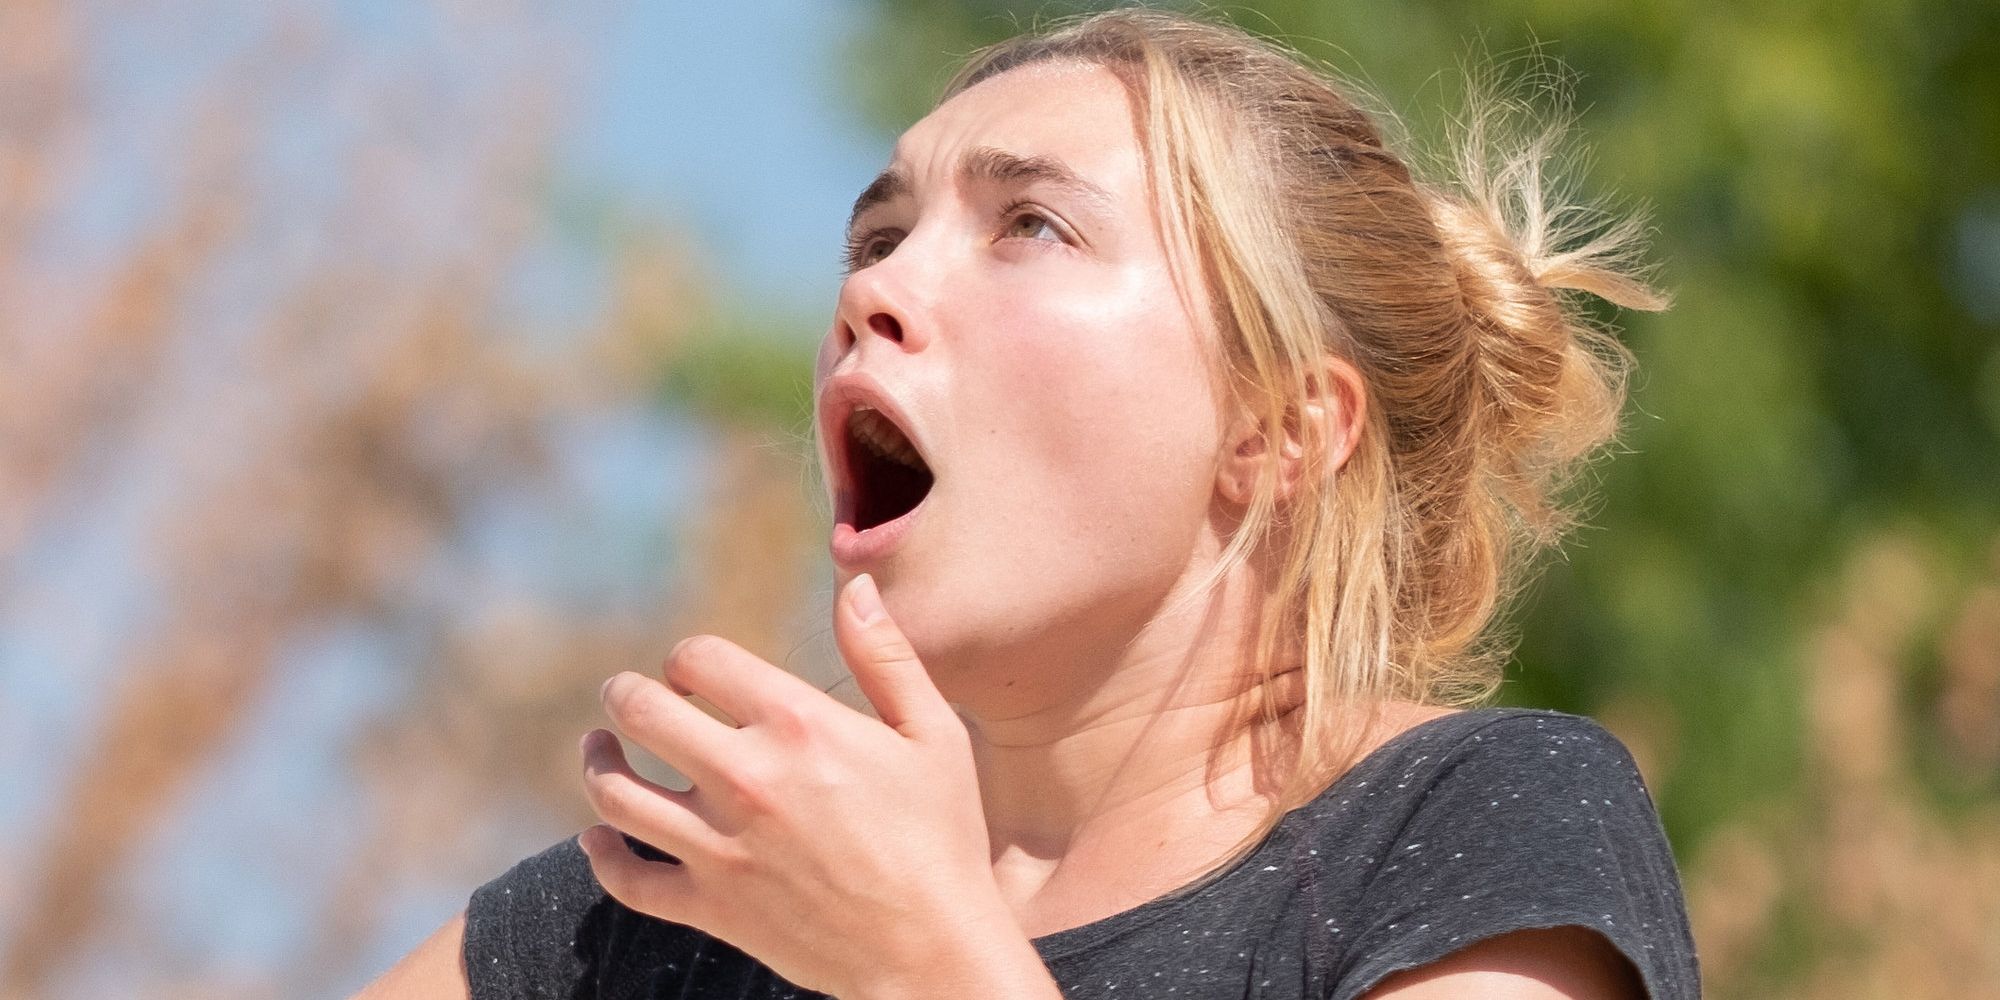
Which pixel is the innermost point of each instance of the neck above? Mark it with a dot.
(1120, 740)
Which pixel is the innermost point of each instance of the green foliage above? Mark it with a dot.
(900, 66)
(1825, 185)
(743, 375)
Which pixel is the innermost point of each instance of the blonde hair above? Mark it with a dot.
(1486, 388)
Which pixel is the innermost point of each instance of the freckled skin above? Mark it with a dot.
(1062, 387)
(1062, 391)
(1064, 399)
(1089, 468)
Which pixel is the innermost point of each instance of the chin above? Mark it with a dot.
(945, 626)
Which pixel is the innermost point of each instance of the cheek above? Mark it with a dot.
(829, 352)
(1108, 416)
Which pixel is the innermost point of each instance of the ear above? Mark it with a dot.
(1334, 412)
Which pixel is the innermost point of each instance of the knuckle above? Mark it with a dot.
(753, 786)
(732, 860)
(615, 798)
(789, 721)
(684, 660)
(896, 650)
(694, 649)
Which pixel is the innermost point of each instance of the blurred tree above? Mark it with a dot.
(1789, 603)
(303, 349)
(1825, 179)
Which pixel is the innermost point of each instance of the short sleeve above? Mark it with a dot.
(1531, 821)
(539, 930)
(546, 930)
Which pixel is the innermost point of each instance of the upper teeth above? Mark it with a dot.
(874, 430)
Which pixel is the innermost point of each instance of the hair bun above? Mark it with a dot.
(1452, 301)
(1552, 381)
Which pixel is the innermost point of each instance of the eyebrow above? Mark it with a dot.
(988, 164)
(887, 186)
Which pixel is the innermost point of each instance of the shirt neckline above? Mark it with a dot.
(1057, 944)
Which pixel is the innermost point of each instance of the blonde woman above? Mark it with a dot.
(1181, 446)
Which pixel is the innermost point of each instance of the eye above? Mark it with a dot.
(868, 248)
(1030, 225)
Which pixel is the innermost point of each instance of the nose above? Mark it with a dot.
(878, 303)
(886, 325)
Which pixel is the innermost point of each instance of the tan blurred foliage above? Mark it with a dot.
(371, 406)
(363, 415)
(1896, 892)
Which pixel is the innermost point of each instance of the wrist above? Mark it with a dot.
(992, 958)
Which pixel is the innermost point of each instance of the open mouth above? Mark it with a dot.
(890, 477)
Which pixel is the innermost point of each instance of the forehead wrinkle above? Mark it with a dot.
(991, 164)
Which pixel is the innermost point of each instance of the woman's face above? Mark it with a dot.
(1010, 308)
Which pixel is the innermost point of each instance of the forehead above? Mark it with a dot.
(1074, 112)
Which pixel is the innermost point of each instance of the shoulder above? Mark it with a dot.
(1519, 751)
(1494, 821)
(1545, 749)
(1505, 731)
(1555, 774)
(1523, 788)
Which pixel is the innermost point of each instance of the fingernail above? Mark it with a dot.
(867, 600)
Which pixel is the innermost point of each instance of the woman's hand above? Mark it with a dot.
(846, 853)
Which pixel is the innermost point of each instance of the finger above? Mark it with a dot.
(657, 888)
(669, 726)
(668, 819)
(884, 663)
(734, 679)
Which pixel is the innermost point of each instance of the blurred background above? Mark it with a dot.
(378, 376)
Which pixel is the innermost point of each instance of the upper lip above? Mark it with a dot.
(839, 397)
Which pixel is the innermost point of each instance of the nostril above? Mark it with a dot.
(886, 325)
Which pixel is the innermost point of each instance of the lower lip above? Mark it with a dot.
(853, 549)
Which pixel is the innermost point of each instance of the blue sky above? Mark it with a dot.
(732, 119)
(730, 123)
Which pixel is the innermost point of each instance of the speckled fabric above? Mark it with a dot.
(1461, 828)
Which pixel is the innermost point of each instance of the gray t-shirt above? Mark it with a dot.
(1464, 827)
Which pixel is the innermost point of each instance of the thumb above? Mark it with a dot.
(884, 663)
